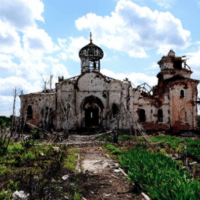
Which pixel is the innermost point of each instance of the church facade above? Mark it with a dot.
(94, 100)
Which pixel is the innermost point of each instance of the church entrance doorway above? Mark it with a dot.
(92, 110)
(91, 117)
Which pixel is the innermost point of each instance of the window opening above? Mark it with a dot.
(182, 93)
(29, 112)
(178, 64)
(115, 110)
(142, 115)
(160, 115)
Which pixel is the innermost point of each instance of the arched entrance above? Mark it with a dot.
(93, 109)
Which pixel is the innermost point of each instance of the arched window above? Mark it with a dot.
(142, 115)
(160, 115)
(182, 93)
(29, 112)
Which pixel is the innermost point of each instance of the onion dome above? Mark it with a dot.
(90, 56)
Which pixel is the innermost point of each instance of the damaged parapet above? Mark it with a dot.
(172, 62)
(90, 56)
(60, 78)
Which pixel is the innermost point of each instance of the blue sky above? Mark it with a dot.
(43, 37)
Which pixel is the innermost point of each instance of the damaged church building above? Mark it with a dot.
(92, 99)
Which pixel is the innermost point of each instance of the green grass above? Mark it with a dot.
(159, 175)
(126, 137)
(15, 148)
(70, 161)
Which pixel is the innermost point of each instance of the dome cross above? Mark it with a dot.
(90, 37)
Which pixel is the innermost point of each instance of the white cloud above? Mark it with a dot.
(194, 58)
(134, 30)
(12, 82)
(165, 3)
(59, 70)
(6, 63)
(9, 38)
(71, 47)
(135, 78)
(37, 40)
(21, 14)
(6, 105)
(153, 66)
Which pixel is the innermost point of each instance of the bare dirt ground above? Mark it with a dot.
(107, 181)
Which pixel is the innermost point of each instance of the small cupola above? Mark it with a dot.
(90, 56)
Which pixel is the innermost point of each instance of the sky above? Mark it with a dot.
(43, 37)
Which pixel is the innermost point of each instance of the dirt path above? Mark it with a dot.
(106, 180)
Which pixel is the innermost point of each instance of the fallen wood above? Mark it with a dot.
(179, 158)
(68, 144)
(115, 176)
(42, 130)
(194, 163)
(86, 136)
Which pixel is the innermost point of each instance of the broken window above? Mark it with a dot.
(182, 93)
(178, 64)
(160, 115)
(29, 112)
(142, 115)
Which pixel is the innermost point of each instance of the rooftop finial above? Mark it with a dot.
(90, 36)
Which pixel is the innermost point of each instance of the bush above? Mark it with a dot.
(28, 144)
(4, 170)
(110, 147)
(18, 161)
(6, 195)
(4, 122)
(13, 186)
(3, 145)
